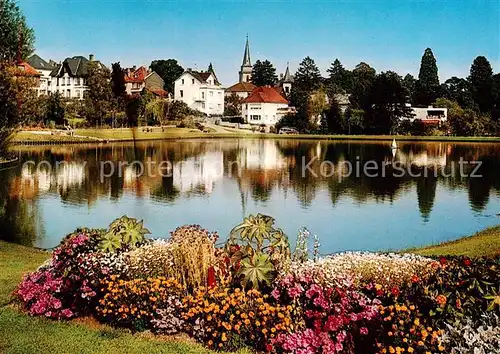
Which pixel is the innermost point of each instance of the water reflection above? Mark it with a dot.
(216, 182)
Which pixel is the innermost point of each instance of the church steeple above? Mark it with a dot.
(246, 65)
(246, 55)
(287, 78)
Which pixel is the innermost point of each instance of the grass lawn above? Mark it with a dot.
(484, 243)
(22, 334)
(126, 134)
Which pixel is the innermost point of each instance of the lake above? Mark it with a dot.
(216, 182)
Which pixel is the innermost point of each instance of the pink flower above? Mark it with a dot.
(363, 331)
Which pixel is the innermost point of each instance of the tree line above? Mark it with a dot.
(378, 100)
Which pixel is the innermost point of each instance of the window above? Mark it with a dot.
(192, 81)
(203, 105)
(203, 95)
(211, 93)
(254, 117)
(219, 93)
(182, 82)
(182, 92)
(63, 81)
(77, 93)
(68, 93)
(287, 89)
(68, 80)
(219, 105)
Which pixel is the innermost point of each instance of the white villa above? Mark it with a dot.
(265, 106)
(429, 115)
(44, 69)
(201, 91)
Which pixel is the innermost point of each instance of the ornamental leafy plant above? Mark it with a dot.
(255, 246)
(123, 233)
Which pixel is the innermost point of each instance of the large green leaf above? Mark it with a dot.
(256, 270)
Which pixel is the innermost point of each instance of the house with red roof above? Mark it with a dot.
(139, 79)
(265, 106)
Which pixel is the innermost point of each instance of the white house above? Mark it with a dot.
(265, 106)
(429, 115)
(201, 91)
(70, 77)
(44, 69)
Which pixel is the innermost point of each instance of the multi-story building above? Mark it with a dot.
(429, 115)
(139, 79)
(44, 69)
(70, 77)
(200, 91)
(265, 106)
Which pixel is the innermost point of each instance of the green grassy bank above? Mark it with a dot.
(126, 134)
(484, 243)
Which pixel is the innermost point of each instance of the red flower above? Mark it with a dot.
(442, 260)
(415, 279)
(467, 262)
(269, 348)
(458, 304)
(395, 291)
(211, 282)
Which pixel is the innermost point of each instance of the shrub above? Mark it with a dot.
(134, 303)
(228, 319)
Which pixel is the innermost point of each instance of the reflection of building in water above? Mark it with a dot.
(199, 172)
(35, 180)
(261, 154)
(432, 156)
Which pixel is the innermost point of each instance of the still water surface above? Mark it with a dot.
(215, 183)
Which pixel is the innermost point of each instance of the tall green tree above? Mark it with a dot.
(55, 108)
(16, 38)
(363, 77)
(308, 77)
(409, 83)
(495, 114)
(99, 94)
(457, 89)
(481, 83)
(388, 103)
(169, 70)
(232, 105)
(427, 88)
(340, 79)
(306, 81)
(264, 73)
(118, 81)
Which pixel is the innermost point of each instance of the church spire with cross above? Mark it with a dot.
(246, 65)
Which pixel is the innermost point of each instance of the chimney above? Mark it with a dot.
(134, 68)
(91, 57)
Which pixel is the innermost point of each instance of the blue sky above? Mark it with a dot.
(389, 35)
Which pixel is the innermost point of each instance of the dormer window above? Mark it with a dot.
(192, 81)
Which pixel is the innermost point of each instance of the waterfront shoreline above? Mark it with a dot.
(88, 136)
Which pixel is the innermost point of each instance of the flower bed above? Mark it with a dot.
(256, 293)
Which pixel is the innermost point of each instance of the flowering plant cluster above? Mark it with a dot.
(40, 293)
(228, 319)
(332, 314)
(355, 302)
(404, 329)
(134, 303)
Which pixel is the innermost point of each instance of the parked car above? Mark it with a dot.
(288, 130)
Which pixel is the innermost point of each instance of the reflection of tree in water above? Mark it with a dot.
(19, 217)
(426, 194)
(166, 191)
